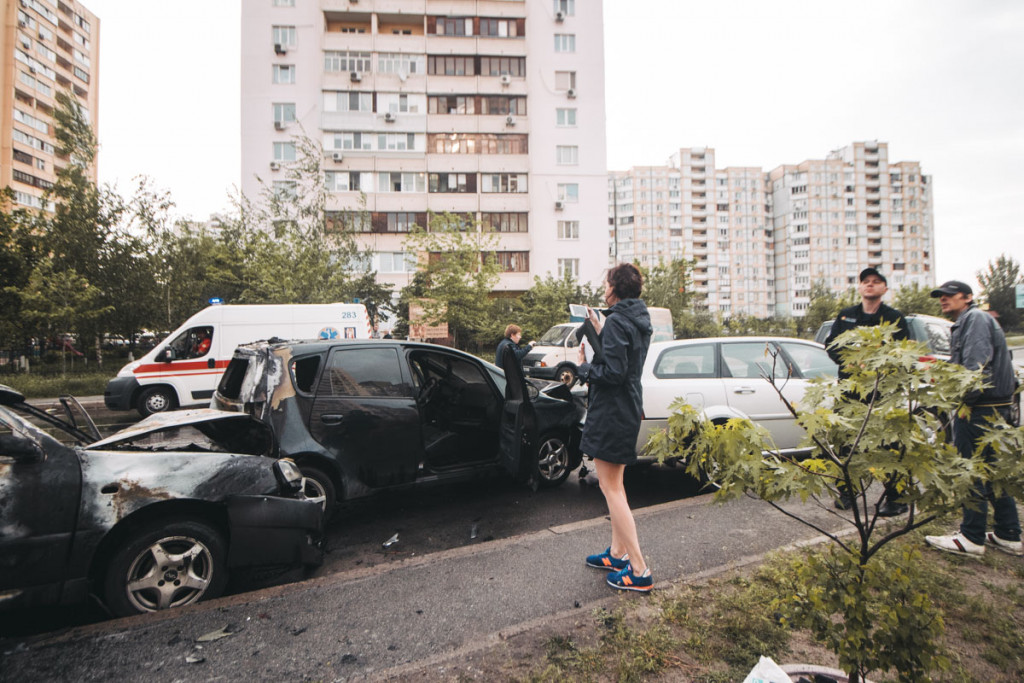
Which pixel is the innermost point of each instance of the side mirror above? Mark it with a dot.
(20, 449)
(166, 355)
(570, 343)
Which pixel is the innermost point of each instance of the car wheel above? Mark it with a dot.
(165, 564)
(566, 375)
(156, 400)
(319, 486)
(552, 461)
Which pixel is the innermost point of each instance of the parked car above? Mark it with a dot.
(724, 378)
(363, 416)
(150, 518)
(934, 332)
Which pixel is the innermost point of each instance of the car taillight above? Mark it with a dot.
(927, 359)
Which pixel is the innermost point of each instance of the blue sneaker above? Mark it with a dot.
(626, 580)
(605, 560)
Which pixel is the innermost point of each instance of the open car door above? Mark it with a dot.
(517, 437)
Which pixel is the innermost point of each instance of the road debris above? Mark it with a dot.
(391, 541)
(228, 630)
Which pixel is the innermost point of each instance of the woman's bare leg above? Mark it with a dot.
(624, 536)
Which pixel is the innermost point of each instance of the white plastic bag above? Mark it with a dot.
(767, 671)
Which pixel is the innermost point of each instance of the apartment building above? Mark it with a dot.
(760, 241)
(493, 108)
(47, 46)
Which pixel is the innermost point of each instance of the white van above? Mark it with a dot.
(554, 356)
(184, 369)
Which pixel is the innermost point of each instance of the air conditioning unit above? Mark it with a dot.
(355, 77)
(275, 166)
(559, 16)
(559, 205)
(280, 49)
(510, 120)
(571, 93)
(506, 79)
(390, 118)
(278, 125)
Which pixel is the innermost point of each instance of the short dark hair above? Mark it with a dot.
(626, 280)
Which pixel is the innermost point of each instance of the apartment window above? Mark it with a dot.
(355, 141)
(32, 121)
(513, 261)
(477, 143)
(503, 66)
(348, 181)
(34, 142)
(395, 262)
(565, 80)
(566, 7)
(284, 189)
(400, 103)
(569, 192)
(283, 35)
(499, 28)
(568, 230)
(284, 3)
(567, 155)
(284, 73)
(454, 26)
(565, 42)
(569, 267)
(403, 221)
(340, 61)
(399, 63)
(284, 151)
(348, 101)
(451, 104)
(438, 65)
(504, 222)
(397, 181)
(284, 112)
(452, 182)
(565, 118)
(504, 182)
(396, 141)
(500, 105)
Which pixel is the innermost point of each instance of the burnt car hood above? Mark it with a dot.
(259, 440)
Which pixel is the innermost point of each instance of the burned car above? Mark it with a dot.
(150, 518)
(360, 416)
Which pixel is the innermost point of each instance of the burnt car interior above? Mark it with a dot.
(232, 436)
(458, 406)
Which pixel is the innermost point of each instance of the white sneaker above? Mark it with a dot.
(1011, 547)
(957, 544)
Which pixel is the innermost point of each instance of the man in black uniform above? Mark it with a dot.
(868, 313)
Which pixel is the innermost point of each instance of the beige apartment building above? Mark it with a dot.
(759, 241)
(47, 46)
(493, 108)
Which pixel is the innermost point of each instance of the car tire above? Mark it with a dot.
(156, 400)
(552, 462)
(165, 564)
(566, 374)
(319, 485)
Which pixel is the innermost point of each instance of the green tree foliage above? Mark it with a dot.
(670, 285)
(546, 304)
(998, 283)
(18, 255)
(740, 324)
(914, 298)
(457, 271)
(879, 425)
(825, 305)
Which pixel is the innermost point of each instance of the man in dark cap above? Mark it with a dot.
(868, 313)
(977, 342)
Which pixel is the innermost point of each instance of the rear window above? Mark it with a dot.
(231, 381)
(692, 360)
(811, 361)
(364, 372)
(304, 371)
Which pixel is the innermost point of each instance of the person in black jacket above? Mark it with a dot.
(613, 418)
(513, 333)
(868, 313)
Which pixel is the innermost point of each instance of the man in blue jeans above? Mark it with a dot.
(978, 343)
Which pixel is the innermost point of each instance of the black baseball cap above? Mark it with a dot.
(952, 287)
(873, 271)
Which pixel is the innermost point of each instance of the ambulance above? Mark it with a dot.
(184, 369)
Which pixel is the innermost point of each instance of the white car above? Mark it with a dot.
(724, 377)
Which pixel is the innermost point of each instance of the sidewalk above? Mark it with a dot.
(390, 622)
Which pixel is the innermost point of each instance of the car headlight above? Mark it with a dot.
(289, 476)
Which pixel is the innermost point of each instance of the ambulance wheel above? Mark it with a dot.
(156, 400)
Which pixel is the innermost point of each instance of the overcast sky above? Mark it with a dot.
(764, 82)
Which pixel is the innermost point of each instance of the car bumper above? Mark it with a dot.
(541, 373)
(273, 530)
(119, 392)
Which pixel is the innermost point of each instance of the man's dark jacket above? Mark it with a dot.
(520, 352)
(854, 316)
(978, 343)
(616, 397)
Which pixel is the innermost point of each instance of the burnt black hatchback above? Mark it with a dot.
(361, 416)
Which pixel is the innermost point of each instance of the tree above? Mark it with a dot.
(546, 304)
(18, 255)
(457, 271)
(998, 284)
(914, 298)
(670, 285)
(880, 424)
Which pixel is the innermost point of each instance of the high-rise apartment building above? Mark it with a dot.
(760, 241)
(493, 108)
(47, 46)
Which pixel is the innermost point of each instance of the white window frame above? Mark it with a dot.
(565, 117)
(570, 267)
(565, 42)
(283, 35)
(282, 111)
(283, 74)
(569, 192)
(284, 151)
(567, 155)
(568, 230)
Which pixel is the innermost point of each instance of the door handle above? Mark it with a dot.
(331, 419)
(211, 363)
(743, 390)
